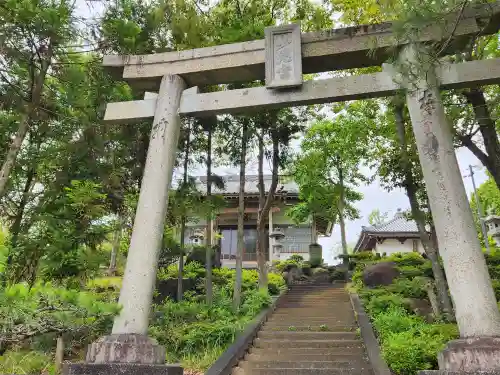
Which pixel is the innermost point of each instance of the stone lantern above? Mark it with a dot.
(492, 223)
(277, 235)
(197, 238)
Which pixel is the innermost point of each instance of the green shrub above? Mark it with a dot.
(395, 319)
(410, 272)
(192, 331)
(357, 275)
(414, 288)
(105, 283)
(493, 258)
(276, 283)
(382, 303)
(319, 271)
(367, 294)
(408, 343)
(296, 258)
(494, 271)
(406, 259)
(306, 268)
(192, 270)
(26, 362)
(496, 288)
(406, 354)
(44, 310)
(427, 268)
(338, 275)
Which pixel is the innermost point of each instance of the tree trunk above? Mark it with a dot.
(208, 241)
(341, 216)
(22, 129)
(16, 225)
(241, 218)
(419, 217)
(180, 289)
(265, 204)
(487, 128)
(117, 236)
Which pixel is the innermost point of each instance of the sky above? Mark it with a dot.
(374, 196)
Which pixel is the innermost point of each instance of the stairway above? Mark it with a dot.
(312, 331)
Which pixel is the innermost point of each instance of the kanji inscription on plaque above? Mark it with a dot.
(283, 56)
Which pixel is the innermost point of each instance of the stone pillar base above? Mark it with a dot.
(120, 369)
(125, 349)
(471, 355)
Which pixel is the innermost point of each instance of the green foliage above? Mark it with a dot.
(26, 362)
(376, 217)
(224, 277)
(410, 272)
(414, 288)
(338, 274)
(286, 265)
(4, 252)
(192, 270)
(406, 259)
(28, 313)
(296, 258)
(192, 328)
(381, 303)
(408, 343)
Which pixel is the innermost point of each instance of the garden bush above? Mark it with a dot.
(406, 259)
(409, 272)
(409, 344)
(338, 274)
(381, 303)
(409, 288)
(26, 362)
(195, 332)
(32, 318)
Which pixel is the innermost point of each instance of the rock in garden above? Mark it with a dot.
(380, 274)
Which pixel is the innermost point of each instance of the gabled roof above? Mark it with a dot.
(398, 227)
(286, 185)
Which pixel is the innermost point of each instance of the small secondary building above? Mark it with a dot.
(297, 237)
(398, 235)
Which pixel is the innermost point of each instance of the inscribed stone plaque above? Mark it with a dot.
(283, 56)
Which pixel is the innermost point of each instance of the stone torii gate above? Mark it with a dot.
(281, 59)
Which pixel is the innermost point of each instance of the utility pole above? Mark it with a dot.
(479, 211)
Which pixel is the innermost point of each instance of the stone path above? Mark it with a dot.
(312, 331)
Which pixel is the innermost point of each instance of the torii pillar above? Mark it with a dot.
(128, 350)
(478, 318)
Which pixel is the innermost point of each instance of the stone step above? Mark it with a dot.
(315, 304)
(312, 327)
(309, 353)
(312, 314)
(300, 320)
(326, 297)
(251, 364)
(295, 371)
(267, 343)
(298, 335)
(284, 313)
(265, 355)
(326, 325)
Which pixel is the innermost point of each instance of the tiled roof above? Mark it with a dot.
(232, 184)
(399, 224)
